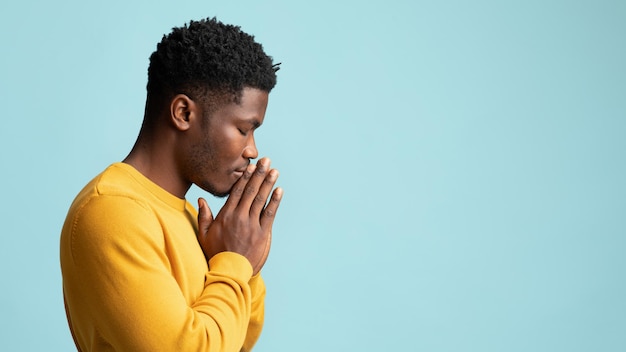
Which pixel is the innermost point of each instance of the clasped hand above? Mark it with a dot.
(244, 224)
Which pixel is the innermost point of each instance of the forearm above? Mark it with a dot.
(122, 294)
(257, 313)
(131, 317)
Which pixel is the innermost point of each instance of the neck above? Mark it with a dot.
(156, 162)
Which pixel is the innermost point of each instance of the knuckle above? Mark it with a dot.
(250, 190)
(269, 181)
(269, 213)
(247, 174)
(240, 220)
(237, 191)
(259, 198)
(275, 199)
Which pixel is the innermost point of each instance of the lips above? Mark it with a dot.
(239, 172)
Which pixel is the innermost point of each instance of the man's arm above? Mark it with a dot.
(257, 312)
(121, 292)
(244, 217)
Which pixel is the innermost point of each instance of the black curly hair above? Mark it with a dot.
(207, 59)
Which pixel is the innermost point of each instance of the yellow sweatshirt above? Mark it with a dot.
(135, 277)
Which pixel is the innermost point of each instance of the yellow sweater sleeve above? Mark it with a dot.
(257, 286)
(123, 296)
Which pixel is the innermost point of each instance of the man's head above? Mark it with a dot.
(208, 86)
(208, 61)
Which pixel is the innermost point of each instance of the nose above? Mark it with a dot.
(250, 151)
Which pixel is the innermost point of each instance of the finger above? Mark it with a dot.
(269, 213)
(266, 252)
(264, 191)
(254, 183)
(238, 188)
(205, 217)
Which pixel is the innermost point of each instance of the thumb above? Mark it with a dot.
(205, 217)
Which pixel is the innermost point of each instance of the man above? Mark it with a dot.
(142, 269)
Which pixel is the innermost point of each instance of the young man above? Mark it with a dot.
(142, 270)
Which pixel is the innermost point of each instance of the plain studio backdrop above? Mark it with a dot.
(454, 171)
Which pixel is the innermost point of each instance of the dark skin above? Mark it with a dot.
(189, 146)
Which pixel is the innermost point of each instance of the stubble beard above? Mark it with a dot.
(203, 162)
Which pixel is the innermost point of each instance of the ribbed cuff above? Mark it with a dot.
(231, 264)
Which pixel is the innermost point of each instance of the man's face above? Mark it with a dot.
(222, 149)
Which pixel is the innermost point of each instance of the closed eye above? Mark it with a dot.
(248, 125)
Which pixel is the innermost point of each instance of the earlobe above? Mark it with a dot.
(182, 111)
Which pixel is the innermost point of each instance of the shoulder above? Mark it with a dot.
(111, 200)
(110, 212)
(108, 221)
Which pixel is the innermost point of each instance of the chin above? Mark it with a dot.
(216, 193)
(219, 193)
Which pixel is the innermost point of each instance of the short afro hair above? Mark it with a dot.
(208, 57)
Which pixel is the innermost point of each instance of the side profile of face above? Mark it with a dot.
(221, 147)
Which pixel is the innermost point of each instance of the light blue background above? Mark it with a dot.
(454, 170)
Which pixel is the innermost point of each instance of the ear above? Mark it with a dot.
(183, 112)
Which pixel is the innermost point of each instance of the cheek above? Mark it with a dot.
(202, 159)
(232, 146)
(226, 145)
